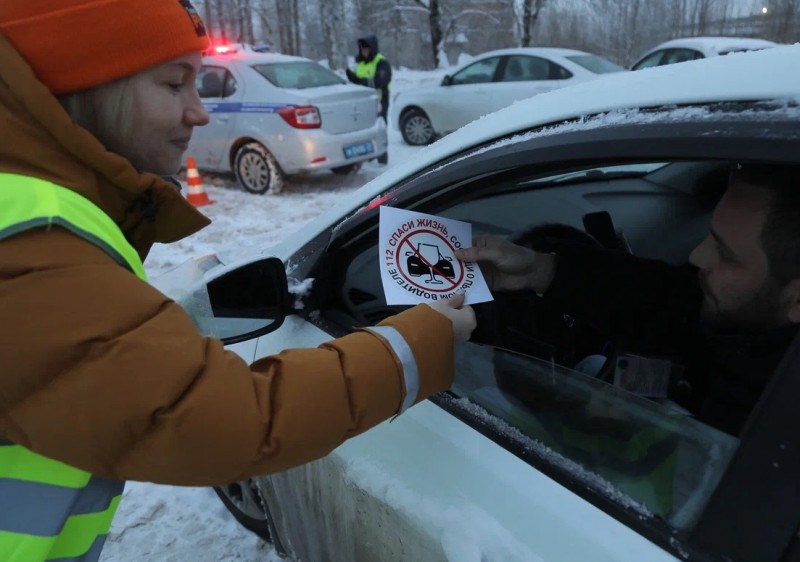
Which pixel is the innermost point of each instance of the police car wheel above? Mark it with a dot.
(416, 128)
(246, 505)
(257, 170)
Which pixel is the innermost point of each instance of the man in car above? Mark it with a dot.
(729, 317)
(373, 71)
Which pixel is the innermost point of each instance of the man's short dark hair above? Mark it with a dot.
(780, 237)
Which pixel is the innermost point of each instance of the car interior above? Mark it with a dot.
(541, 376)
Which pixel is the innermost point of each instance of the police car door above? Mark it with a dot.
(219, 92)
(523, 76)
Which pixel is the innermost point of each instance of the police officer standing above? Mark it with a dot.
(373, 71)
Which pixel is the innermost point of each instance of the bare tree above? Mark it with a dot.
(244, 21)
(435, 27)
(288, 27)
(530, 15)
(333, 28)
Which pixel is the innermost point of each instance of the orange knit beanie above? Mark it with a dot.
(77, 44)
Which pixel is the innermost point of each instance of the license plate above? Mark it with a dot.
(358, 150)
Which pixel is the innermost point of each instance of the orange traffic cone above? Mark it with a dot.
(197, 195)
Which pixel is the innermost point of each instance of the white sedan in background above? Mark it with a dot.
(528, 457)
(693, 48)
(490, 82)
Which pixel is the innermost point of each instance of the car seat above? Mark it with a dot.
(513, 71)
(211, 86)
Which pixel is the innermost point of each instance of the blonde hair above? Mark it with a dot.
(106, 111)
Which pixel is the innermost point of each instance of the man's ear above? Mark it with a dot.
(791, 296)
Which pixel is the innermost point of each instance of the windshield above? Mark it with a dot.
(298, 75)
(595, 64)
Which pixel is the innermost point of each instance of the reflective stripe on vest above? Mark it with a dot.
(50, 510)
(367, 70)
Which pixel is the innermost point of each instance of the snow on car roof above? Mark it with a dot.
(544, 51)
(716, 44)
(253, 58)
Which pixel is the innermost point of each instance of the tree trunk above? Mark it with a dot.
(332, 20)
(530, 15)
(207, 18)
(223, 37)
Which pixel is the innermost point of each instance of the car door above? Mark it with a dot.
(221, 96)
(501, 467)
(524, 76)
(468, 96)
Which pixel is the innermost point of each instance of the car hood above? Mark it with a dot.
(757, 75)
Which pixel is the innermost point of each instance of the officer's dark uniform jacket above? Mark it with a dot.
(375, 72)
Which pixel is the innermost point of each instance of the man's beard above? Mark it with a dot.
(759, 312)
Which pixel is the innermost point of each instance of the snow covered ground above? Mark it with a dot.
(174, 524)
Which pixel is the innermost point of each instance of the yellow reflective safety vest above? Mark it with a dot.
(368, 70)
(50, 510)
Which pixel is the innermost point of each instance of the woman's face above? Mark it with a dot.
(165, 108)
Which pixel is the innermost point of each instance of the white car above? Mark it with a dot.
(274, 115)
(693, 48)
(490, 82)
(526, 457)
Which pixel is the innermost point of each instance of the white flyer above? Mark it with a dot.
(418, 262)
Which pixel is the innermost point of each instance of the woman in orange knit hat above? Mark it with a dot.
(103, 378)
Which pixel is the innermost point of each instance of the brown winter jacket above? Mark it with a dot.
(101, 371)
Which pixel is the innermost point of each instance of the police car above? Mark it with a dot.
(273, 115)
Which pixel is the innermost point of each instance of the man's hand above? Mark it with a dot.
(351, 75)
(508, 267)
(462, 317)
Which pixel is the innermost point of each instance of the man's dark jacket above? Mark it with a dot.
(656, 308)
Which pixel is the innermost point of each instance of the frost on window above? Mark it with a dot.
(644, 455)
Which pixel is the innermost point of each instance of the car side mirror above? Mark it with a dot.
(249, 301)
(239, 304)
(447, 80)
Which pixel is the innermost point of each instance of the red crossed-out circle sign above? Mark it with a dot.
(420, 245)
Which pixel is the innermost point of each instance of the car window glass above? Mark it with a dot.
(673, 56)
(230, 85)
(653, 59)
(477, 73)
(298, 75)
(547, 378)
(660, 457)
(519, 68)
(595, 64)
(210, 81)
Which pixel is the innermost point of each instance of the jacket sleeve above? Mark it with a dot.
(621, 293)
(355, 79)
(383, 75)
(112, 377)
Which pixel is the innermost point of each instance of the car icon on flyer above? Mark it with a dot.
(418, 262)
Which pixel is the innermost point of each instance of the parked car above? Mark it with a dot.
(490, 82)
(274, 115)
(693, 48)
(504, 466)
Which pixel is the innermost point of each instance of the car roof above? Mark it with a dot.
(540, 51)
(747, 76)
(715, 44)
(248, 57)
